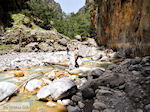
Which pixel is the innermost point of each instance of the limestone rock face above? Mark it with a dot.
(123, 25)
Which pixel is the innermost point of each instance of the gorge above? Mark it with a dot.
(47, 71)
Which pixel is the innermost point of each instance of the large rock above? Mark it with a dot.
(6, 88)
(33, 84)
(58, 89)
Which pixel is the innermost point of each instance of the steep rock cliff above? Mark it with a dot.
(123, 25)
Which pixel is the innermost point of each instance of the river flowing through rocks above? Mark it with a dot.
(101, 83)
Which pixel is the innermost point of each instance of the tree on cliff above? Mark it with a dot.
(41, 13)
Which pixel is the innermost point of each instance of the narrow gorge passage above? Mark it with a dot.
(56, 56)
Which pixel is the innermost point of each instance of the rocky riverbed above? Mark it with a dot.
(101, 83)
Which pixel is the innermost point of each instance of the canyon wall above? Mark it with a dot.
(123, 25)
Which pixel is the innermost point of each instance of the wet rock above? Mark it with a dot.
(58, 89)
(73, 109)
(33, 84)
(6, 88)
(99, 105)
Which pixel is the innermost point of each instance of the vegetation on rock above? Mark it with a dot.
(41, 13)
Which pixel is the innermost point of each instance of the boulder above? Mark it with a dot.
(78, 37)
(33, 84)
(58, 89)
(6, 88)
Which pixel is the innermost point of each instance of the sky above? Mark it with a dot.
(69, 6)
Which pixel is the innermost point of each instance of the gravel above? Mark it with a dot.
(16, 60)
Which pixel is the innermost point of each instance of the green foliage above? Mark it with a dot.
(74, 24)
(41, 13)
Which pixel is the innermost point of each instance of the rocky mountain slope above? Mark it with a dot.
(123, 25)
(13, 5)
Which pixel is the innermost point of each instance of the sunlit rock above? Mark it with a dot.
(6, 88)
(19, 74)
(64, 102)
(33, 84)
(57, 89)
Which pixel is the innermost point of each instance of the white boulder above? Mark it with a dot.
(58, 89)
(6, 88)
(33, 84)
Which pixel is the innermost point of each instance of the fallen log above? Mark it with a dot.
(52, 63)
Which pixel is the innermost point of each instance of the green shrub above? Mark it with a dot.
(40, 12)
(74, 24)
